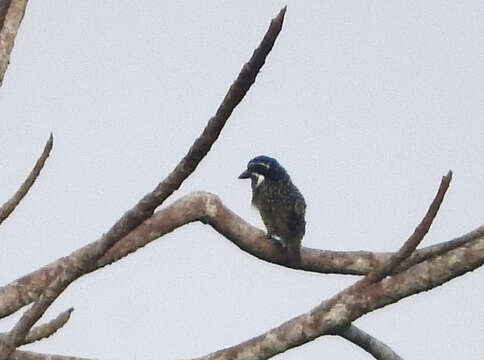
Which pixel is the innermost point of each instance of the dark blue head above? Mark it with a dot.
(266, 166)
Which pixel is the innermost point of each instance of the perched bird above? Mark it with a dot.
(281, 205)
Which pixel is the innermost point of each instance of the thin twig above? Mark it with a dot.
(11, 204)
(411, 244)
(10, 25)
(45, 330)
(370, 344)
(431, 251)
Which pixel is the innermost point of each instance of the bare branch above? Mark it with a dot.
(28, 355)
(10, 21)
(45, 330)
(4, 5)
(11, 204)
(411, 244)
(144, 208)
(206, 206)
(338, 312)
(372, 345)
(211, 132)
(357, 336)
(438, 249)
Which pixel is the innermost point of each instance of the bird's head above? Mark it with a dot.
(264, 167)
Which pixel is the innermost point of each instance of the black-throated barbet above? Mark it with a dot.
(280, 203)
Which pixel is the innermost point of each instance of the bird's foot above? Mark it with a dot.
(275, 241)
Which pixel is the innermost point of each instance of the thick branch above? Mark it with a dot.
(338, 312)
(10, 20)
(11, 204)
(202, 205)
(28, 355)
(372, 345)
(375, 347)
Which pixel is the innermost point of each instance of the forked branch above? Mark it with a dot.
(338, 312)
(88, 256)
(411, 244)
(48, 329)
(206, 206)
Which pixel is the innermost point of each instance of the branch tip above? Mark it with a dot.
(10, 205)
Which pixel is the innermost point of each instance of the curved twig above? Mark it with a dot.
(12, 203)
(370, 344)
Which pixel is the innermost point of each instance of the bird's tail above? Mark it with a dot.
(293, 253)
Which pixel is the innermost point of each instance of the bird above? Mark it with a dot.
(280, 204)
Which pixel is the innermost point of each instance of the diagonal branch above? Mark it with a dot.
(336, 313)
(411, 244)
(17, 336)
(438, 249)
(11, 17)
(211, 132)
(11, 204)
(48, 329)
(206, 206)
(145, 207)
(45, 330)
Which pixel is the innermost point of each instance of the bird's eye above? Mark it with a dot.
(259, 168)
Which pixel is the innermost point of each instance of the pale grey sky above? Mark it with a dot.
(366, 104)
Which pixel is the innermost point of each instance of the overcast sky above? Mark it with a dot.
(366, 103)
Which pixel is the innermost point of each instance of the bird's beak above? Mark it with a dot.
(244, 175)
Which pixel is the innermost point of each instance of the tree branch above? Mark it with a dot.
(338, 312)
(146, 206)
(45, 330)
(89, 255)
(28, 355)
(206, 206)
(411, 244)
(375, 347)
(11, 204)
(10, 20)
(48, 329)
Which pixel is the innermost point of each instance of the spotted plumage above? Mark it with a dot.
(281, 205)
